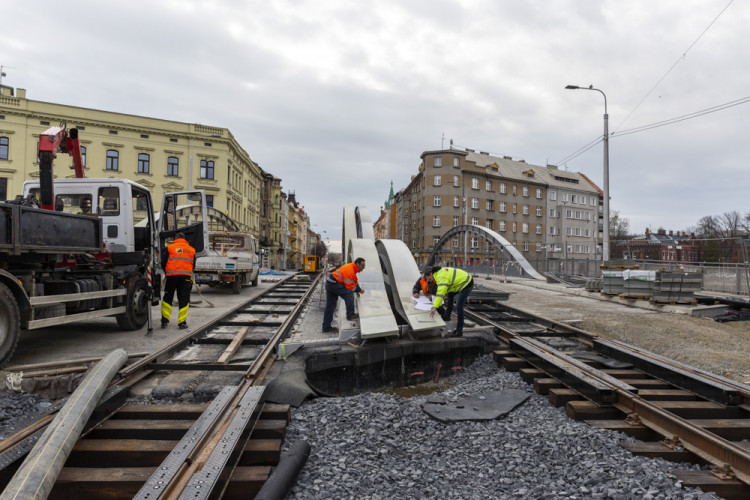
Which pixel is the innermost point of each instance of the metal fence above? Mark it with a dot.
(721, 278)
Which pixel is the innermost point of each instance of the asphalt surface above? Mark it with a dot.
(98, 337)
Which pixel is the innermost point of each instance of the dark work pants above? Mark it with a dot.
(333, 292)
(181, 284)
(460, 303)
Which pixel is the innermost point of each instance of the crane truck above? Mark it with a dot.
(82, 254)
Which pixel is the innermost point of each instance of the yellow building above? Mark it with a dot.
(161, 155)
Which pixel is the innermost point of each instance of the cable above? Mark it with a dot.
(681, 58)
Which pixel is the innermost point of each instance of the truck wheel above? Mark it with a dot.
(255, 281)
(137, 304)
(236, 285)
(10, 326)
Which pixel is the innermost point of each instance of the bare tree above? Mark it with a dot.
(619, 226)
(727, 225)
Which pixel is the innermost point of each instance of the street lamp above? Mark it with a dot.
(605, 239)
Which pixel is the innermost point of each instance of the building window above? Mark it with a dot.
(438, 181)
(474, 242)
(552, 213)
(514, 208)
(488, 224)
(83, 156)
(455, 162)
(455, 181)
(489, 186)
(514, 227)
(553, 195)
(173, 166)
(525, 228)
(455, 201)
(502, 207)
(435, 240)
(436, 201)
(474, 221)
(538, 211)
(503, 188)
(4, 143)
(207, 169)
(593, 201)
(525, 246)
(3, 188)
(501, 226)
(113, 159)
(455, 242)
(568, 213)
(526, 190)
(474, 183)
(525, 210)
(515, 191)
(489, 205)
(538, 194)
(436, 221)
(438, 162)
(475, 203)
(538, 229)
(552, 230)
(209, 200)
(144, 162)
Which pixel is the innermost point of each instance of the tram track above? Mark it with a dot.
(225, 449)
(679, 413)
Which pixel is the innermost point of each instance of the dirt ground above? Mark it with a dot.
(721, 348)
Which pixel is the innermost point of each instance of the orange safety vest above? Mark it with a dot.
(425, 285)
(347, 275)
(181, 258)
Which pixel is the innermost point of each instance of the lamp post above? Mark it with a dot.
(605, 236)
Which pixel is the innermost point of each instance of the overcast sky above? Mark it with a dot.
(340, 97)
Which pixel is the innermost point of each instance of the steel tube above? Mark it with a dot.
(38, 473)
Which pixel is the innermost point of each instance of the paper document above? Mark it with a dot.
(422, 303)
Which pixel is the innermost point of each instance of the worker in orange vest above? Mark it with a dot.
(428, 289)
(179, 277)
(342, 283)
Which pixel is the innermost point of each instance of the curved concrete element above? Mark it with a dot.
(364, 223)
(375, 313)
(348, 231)
(504, 245)
(400, 274)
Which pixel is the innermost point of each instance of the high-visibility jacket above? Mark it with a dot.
(347, 276)
(181, 259)
(449, 280)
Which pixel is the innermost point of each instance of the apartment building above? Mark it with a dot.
(511, 197)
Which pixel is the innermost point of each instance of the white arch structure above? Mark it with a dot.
(507, 248)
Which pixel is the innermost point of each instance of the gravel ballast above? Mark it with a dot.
(382, 446)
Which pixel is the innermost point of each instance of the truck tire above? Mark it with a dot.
(10, 324)
(255, 281)
(137, 304)
(237, 285)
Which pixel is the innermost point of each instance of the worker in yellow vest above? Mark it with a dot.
(451, 283)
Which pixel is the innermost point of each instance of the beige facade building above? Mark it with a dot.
(161, 155)
(511, 197)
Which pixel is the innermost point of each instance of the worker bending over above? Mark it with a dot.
(342, 283)
(179, 277)
(450, 282)
(428, 289)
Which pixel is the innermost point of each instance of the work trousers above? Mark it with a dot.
(333, 292)
(182, 284)
(460, 297)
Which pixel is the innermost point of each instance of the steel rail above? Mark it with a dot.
(705, 444)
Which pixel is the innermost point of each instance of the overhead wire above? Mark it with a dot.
(642, 128)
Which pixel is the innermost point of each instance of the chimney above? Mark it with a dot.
(661, 231)
(647, 233)
(670, 233)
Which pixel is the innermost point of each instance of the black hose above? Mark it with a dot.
(283, 476)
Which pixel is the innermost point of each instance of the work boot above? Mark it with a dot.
(331, 329)
(164, 323)
(456, 333)
(183, 325)
(353, 317)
